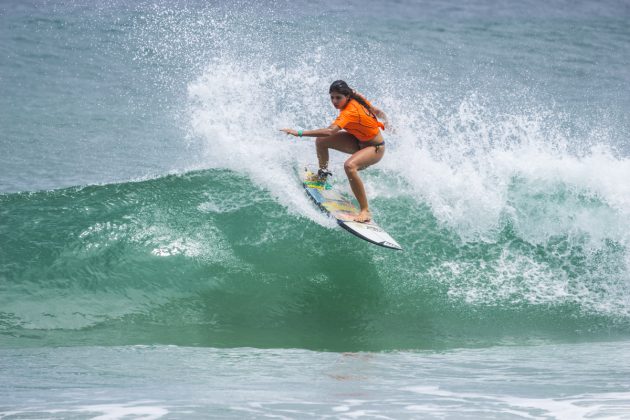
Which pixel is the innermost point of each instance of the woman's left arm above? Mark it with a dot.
(378, 112)
(381, 115)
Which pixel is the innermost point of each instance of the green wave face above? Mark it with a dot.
(208, 259)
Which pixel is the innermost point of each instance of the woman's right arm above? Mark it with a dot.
(319, 132)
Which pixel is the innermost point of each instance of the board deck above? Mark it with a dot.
(343, 210)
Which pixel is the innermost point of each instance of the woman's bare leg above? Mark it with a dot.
(342, 141)
(358, 161)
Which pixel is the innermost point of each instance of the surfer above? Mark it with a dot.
(355, 131)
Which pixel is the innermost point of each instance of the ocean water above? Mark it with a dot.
(159, 259)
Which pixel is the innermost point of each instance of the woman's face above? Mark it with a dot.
(338, 100)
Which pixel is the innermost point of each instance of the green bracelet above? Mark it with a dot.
(300, 133)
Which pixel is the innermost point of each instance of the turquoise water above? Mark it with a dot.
(159, 259)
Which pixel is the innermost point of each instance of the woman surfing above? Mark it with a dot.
(355, 131)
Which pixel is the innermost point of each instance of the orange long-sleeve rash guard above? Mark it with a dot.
(358, 121)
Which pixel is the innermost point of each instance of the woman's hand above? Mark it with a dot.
(289, 131)
(383, 118)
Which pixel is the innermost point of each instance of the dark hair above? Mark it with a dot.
(339, 86)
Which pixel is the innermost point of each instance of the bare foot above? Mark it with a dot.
(363, 216)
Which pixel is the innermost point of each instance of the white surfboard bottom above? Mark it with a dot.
(371, 233)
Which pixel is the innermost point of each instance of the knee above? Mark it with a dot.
(319, 141)
(349, 166)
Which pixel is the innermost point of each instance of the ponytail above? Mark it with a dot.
(360, 99)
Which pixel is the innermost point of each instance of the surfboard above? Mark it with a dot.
(343, 210)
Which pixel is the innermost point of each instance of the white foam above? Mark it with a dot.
(468, 162)
(144, 410)
(231, 112)
(581, 406)
(115, 411)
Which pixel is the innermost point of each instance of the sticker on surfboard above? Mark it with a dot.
(343, 210)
